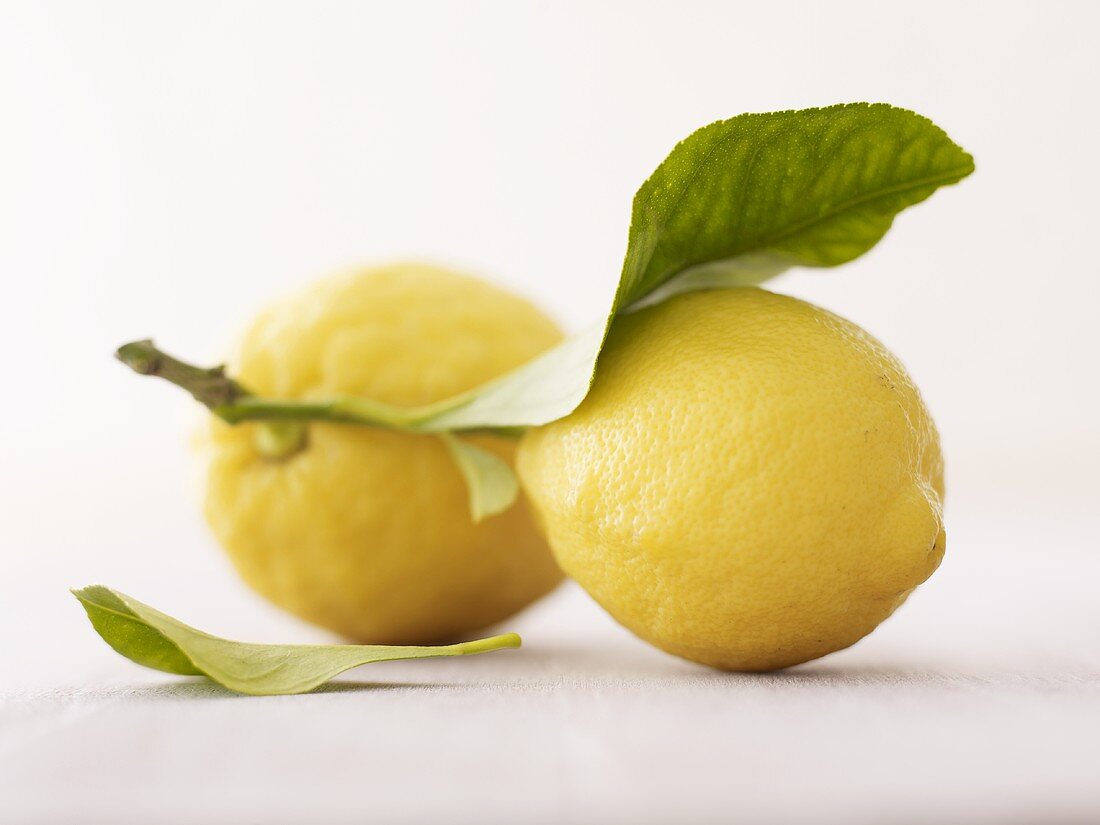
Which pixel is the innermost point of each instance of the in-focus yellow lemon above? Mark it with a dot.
(753, 482)
(367, 531)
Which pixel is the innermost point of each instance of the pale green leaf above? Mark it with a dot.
(151, 638)
(748, 270)
(533, 394)
(490, 482)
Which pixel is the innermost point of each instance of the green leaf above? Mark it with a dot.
(816, 187)
(491, 484)
(151, 638)
(736, 203)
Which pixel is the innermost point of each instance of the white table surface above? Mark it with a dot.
(165, 168)
(978, 702)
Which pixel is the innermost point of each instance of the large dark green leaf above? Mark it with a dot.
(736, 203)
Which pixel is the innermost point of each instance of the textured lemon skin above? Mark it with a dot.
(367, 531)
(753, 482)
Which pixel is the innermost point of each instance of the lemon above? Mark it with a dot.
(367, 531)
(753, 482)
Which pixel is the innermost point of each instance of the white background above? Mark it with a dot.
(165, 168)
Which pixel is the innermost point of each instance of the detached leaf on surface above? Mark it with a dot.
(150, 638)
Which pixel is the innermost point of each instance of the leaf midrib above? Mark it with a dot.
(929, 180)
(943, 178)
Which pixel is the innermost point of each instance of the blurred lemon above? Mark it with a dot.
(753, 482)
(367, 531)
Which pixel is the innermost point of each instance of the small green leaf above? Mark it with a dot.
(734, 204)
(490, 482)
(151, 638)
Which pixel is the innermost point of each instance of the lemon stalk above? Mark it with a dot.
(283, 433)
(211, 387)
(215, 390)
